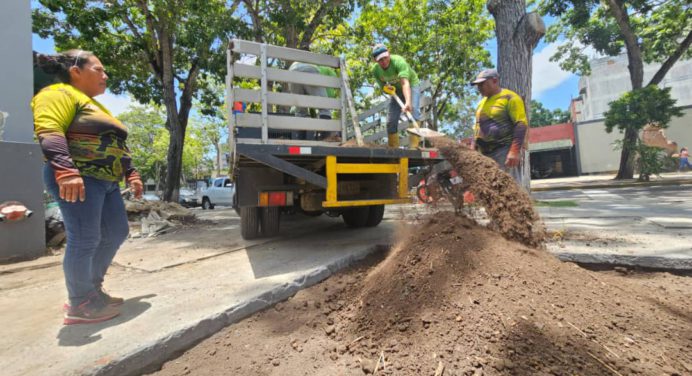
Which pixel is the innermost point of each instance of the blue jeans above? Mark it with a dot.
(95, 230)
(395, 110)
(684, 162)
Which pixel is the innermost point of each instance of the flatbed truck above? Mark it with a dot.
(278, 165)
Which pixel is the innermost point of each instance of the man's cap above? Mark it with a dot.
(484, 75)
(379, 51)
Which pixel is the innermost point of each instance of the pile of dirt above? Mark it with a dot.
(455, 298)
(509, 207)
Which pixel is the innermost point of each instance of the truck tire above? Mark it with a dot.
(356, 217)
(270, 218)
(249, 222)
(375, 215)
(206, 204)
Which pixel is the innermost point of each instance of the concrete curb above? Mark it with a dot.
(650, 262)
(614, 185)
(150, 357)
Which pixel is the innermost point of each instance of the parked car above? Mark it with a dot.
(220, 192)
(150, 197)
(188, 198)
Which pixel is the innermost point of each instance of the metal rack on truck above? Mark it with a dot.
(277, 162)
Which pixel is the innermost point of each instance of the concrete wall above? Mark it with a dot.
(21, 159)
(16, 80)
(22, 181)
(595, 146)
(610, 79)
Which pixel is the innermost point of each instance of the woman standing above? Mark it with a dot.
(86, 159)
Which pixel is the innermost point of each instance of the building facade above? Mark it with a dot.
(608, 81)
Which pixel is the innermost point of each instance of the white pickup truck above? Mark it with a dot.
(220, 192)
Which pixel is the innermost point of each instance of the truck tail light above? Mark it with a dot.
(276, 199)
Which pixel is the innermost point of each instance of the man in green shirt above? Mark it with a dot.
(390, 69)
(501, 123)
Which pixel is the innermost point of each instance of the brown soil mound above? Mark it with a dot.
(454, 298)
(475, 300)
(508, 205)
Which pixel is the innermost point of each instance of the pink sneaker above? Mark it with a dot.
(89, 312)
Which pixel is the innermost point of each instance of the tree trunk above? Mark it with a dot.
(517, 35)
(175, 130)
(217, 148)
(636, 69)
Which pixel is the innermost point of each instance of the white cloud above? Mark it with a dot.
(116, 104)
(547, 74)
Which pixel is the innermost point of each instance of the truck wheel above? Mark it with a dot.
(356, 217)
(206, 204)
(270, 221)
(375, 215)
(249, 222)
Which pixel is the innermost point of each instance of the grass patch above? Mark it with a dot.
(557, 204)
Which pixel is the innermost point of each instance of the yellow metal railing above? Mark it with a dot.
(334, 168)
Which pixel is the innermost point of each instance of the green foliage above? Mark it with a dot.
(148, 141)
(298, 23)
(442, 40)
(637, 108)
(658, 25)
(650, 160)
(120, 33)
(541, 116)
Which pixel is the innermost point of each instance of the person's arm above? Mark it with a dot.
(53, 114)
(517, 114)
(406, 89)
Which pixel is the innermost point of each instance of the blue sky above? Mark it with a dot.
(551, 85)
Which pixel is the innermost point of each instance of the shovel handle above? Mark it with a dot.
(401, 104)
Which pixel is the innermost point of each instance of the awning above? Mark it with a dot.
(551, 145)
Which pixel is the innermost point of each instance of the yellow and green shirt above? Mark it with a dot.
(500, 121)
(79, 136)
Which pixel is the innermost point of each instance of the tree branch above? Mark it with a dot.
(151, 57)
(672, 59)
(617, 8)
(316, 20)
(256, 19)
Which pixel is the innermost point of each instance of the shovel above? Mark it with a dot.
(417, 130)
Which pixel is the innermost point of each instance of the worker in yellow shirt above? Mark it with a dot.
(501, 123)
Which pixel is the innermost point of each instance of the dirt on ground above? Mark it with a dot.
(452, 297)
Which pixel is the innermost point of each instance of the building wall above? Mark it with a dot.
(595, 146)
(16, 80)
(21, 161)
(610, 78)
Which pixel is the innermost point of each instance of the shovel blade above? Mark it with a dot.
(425, 132)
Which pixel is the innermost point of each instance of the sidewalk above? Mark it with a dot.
(607, 181)
(180, 288)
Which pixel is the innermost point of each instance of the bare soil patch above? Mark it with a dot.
(467, 302)
(455, 298)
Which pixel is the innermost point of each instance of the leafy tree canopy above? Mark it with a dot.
(541, 116)
(637, 108)
(659, 25)
(442, 40)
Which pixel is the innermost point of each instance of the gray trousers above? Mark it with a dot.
(499, 155)
(307, 89)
